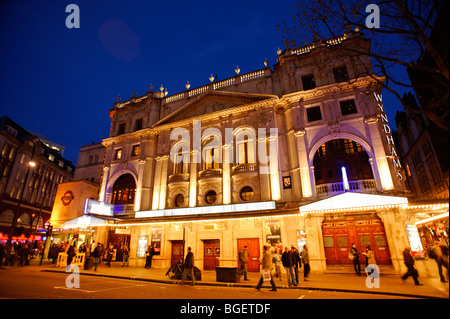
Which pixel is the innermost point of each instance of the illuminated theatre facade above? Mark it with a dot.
(258, 158)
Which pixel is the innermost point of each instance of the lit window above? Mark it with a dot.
(118, 154)
(247, 193)
(135, 151)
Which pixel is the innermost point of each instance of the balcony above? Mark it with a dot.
(245, 168)
(210, 173)
(178, 178)
(359, 186)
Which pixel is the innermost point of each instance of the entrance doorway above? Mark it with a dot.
(253, 252)
(118, 241)
(340, 231)
(177, 251)
(211, 253)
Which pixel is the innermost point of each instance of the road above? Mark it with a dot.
(22, 284)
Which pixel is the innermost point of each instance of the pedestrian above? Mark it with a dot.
(288, 264)
(126, 255)
(243, 260)
(276, 259)
(97, 254)
(439, 252)
(297, 261)
(149, 255)
(266, 265)
(188, 267)
(409, 263)
(109, 255)
(305, 261)
(370, 257)
(2, 253)
(70, 254)
(21, 254)
(354, 256)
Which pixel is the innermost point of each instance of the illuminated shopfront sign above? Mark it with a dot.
(98, 208)
(414, 240)
(217, 209)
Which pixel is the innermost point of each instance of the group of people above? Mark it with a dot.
(17, 251)
(271, 261)
(354, 256)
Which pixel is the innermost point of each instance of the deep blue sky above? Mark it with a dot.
(61, 82)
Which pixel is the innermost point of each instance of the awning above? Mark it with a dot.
(90, 221)
(353, 201)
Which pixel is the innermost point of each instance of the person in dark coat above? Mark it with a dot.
(70, 254)
(297, 261)
(149, 255)
(188, 267)
(287, 259)
(409, 263)
(356, 263)
(97, 254)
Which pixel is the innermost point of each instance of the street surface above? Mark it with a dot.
(23, 284)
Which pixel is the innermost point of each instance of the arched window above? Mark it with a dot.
(7, 216)
(124, 190)
(245, 146)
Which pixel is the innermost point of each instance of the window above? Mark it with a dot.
(247, 193)
(313, 113)
(118, 154)
(211, 197)
(135, 151)
(246, 152)
(309, 82)
(121, 129)
(179, 200)
(348, 107)
(138, 125)
(340, 74)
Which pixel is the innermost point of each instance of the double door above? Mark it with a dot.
(211, 254)
(339, 232)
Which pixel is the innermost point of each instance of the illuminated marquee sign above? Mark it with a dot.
(207, 209)
(98, 208)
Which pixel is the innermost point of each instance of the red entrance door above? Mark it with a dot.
(211, 254)
(339, 232)
(253, 252)
(177, 251)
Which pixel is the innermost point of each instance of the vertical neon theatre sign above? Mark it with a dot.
(390, 140)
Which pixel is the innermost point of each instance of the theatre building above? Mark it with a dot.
(294, 154)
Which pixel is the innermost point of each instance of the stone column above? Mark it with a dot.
(314, 241)
(157, 184)
(163, 185)
(193, 179)
(305, 176)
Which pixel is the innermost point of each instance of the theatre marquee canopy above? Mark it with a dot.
(352, 202)
(217, 209)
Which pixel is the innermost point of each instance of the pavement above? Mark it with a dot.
(340, 280)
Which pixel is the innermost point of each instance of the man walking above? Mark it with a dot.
(243, 260)
(356, 263)
(188, 267)
(266, 265)
(409, 263)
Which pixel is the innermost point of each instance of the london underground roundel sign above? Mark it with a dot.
(67, 198)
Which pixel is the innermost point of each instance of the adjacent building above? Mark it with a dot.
(30, 173)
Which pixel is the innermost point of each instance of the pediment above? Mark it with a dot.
(211, 102)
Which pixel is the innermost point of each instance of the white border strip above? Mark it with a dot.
(245, 207)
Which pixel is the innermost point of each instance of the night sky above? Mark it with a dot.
(61, 82)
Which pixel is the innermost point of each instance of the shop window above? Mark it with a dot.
(247, 193)
(313, 113)
(348, 107)
(211, 197)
